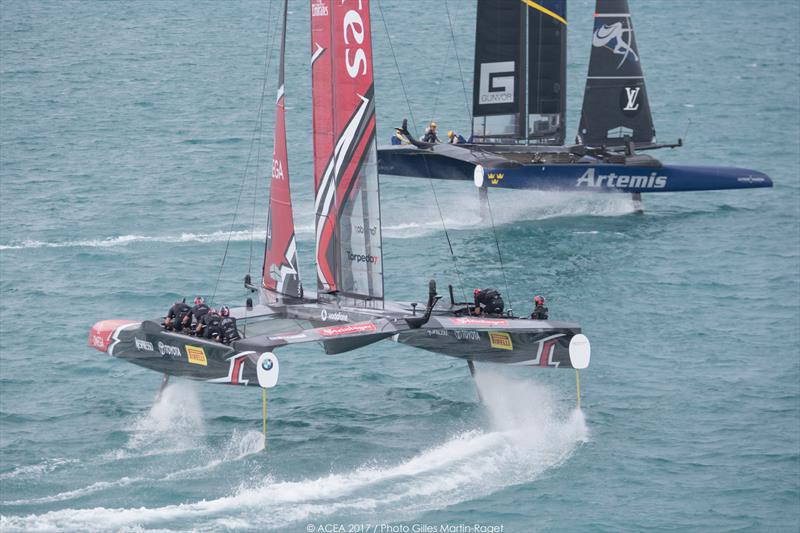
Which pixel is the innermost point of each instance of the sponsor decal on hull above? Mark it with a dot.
(501, 340)
(143, 345)
(495, 177)
(466, 335)
(612, 180)
(334, 316)
(168, 351)
(348, 329)
(468, 321)
(196, 355)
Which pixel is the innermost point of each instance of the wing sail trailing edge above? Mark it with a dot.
(615, 104)
(348, 227)
(280, 273)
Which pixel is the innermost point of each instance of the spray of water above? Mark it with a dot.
(528, 434)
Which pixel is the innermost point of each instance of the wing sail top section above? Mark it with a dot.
(348, 226)
(280, 272)
(615, 103)
(520, 71)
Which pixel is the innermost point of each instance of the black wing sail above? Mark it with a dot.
(520, 71)
(615, 103)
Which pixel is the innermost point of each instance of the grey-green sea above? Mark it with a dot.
(135, 141)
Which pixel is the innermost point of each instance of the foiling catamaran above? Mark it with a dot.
(519, 110)
(349, 310)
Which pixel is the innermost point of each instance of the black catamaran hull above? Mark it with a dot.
(148, 345)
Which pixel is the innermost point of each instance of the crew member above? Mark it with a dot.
(176, 315)
(200, 308)
(430, 134)
(228, 326)
(539, 311)
(455, 138)
(487, 302)
(209, 326)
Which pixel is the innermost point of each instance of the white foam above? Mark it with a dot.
(77, 493)
(125, 240)
(239, 446)
(36, 470)
(527, 436)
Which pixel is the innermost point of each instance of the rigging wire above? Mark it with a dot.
(458, 62)
(430, 180)
(397, 66)
(499, 255)
(255, 135)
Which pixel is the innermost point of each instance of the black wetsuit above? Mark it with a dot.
(175, 316)
(198, 311)
(211, 326)
(229, 331)
(540, 313)
(489, 302)
(430, 136)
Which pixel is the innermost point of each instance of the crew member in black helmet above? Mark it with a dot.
(176, 315)
(228, 326)
(209, 326)
(487, 302)
(200, 308)
(539, 311)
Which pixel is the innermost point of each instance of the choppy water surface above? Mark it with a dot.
(126, 132)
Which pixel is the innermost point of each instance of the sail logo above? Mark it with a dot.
(354, 29)
(277, 170)
(616, 181)
(496, 83)
(620, 36)
(495, 177)
(362, 258)
(319, 9)
(631, 95)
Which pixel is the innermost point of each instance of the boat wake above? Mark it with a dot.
(461, 211)
(527, 435)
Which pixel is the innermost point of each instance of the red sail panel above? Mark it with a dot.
(280, 260)
(349, 258)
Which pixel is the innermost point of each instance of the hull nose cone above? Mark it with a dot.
(101, 334)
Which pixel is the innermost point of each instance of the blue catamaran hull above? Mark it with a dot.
(500, 172)
(620, 178)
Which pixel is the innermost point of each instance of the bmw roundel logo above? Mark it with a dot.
(267, 364)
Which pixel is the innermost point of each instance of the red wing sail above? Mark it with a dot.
(348, 227)
(280, 260)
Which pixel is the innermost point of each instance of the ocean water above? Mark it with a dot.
(133, 153)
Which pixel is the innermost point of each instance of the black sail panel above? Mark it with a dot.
(520, 49)
(615, 103)
(547, 71)
(498, 90)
